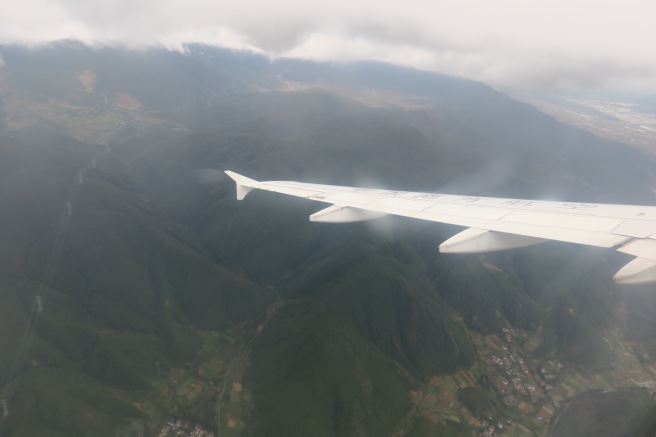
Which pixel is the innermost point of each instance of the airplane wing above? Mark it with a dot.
(492, 223)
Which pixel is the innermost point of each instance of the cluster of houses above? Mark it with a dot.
(182, 428)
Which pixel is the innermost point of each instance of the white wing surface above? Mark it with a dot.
(492, 223)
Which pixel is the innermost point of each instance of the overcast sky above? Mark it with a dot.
(532, 43)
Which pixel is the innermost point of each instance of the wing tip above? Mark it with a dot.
(244, 184)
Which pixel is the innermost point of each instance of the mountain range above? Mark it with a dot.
(138, 295)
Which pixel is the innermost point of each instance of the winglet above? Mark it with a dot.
(244, 184)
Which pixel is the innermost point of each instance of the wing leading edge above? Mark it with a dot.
(492, 223)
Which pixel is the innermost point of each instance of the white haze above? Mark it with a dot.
(531, 43)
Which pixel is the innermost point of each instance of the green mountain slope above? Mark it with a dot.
(122, 288)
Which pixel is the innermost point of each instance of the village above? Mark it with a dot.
(215, 377)
(515, 396)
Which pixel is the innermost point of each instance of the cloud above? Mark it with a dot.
(506, 42)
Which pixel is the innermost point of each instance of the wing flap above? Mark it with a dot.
(564, 234)
(636, 228)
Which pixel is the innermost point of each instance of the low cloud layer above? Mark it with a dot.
(532, 43)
